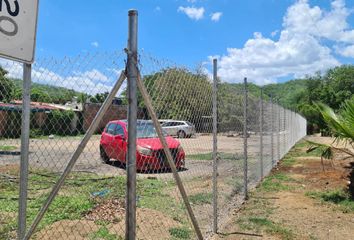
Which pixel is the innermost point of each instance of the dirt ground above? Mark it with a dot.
(290, 212)
(54, 154)
(85, 229)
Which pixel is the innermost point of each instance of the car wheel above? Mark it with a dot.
(181, 134)
(103, 155)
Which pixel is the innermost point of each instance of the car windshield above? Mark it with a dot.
(147, 130)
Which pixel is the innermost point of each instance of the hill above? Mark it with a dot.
(288, 94)
(46, 93)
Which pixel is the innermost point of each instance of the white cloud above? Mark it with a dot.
(216, 16)
(332, 25)
(347, 51)
(192, 12)
(93, 74)
(90, 81)
(157, 9)
(274, 33)
(300, 49)
(95, 44)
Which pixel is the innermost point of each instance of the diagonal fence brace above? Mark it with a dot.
(76, 154)
(167, 151)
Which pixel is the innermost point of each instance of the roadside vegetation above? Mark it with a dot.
(274, 209)
(81, 195)
(332, 88)
(337, 197)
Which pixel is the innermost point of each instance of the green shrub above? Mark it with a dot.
(13, 124)
(36, 132)
(59, 123)
(180, 233)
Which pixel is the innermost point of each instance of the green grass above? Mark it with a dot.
(152, 194)
(7, 148)
(180, 233)
(75, 199)
(201, 198)
(253, 223)
(275, 183)
(272, 227)
(78, 136)
(209, 156)
(288, 161)
(103, 234)
(338, 197)
(299, 150)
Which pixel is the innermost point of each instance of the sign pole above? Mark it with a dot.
(25, 129)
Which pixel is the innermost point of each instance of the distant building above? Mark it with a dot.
(10, 117)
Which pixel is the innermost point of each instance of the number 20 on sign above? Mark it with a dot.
(18, 23)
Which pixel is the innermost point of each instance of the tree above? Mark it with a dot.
(83, 97)
(179, 94)
(340, 85)
(38, 95)
(99, 97)
(6, 87)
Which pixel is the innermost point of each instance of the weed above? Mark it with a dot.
(288, 161)
(180, 233)
(201, 198)
(151, 195)
(78, 200)
(275, 183)
(298, 150)
(271, 227)
(337, 197)
(103, 233)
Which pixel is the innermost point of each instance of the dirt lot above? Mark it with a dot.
(54, 154)
(163, 202)
(297, 201)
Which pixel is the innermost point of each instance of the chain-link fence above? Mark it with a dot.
(220, 139)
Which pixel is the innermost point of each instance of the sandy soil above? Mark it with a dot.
(305, 217)
(149, 224)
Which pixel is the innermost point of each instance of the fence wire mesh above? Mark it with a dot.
(67, 94)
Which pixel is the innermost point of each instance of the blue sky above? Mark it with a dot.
(69, 27)
(265, 40)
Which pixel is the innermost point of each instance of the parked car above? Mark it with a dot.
(149, 155)
(181, 129)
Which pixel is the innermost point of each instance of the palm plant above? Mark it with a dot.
(341, 126)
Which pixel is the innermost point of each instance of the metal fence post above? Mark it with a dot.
(245, 135)
(285, 139)
(25, 129)
(132, 76)
(261, 132)
(272, 130)
(215, 147)
(278, 131)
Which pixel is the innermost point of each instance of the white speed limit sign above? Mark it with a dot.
(18, 23)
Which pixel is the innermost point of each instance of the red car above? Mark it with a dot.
(149, 155)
